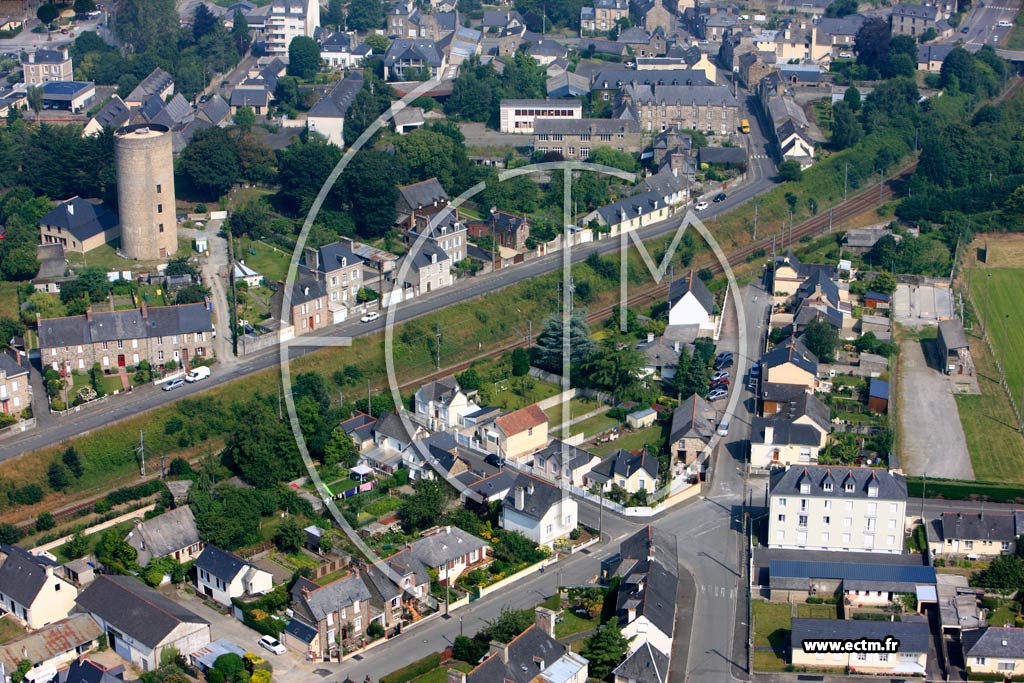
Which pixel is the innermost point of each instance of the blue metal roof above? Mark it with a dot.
(878, 389)
(895, 573)
(877, 296)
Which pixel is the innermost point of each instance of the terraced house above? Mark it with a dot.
(117, 339)
(711, 108)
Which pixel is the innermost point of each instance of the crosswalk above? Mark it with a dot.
(718, 591)
(758, 156)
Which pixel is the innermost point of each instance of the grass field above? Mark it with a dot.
(10, 630)
(577, 407)
(9, 300)
(772, 626)
(653, 436)
(269, 261)
(1015, 39)
(990, 425)
(807, 611)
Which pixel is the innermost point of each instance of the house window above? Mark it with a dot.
(549, 528)
(826, 519)
(828, 484)
(782, 502)
(1006, 666)
(120, 344)
(782, 518)
(969, 545)
(802, 520)
(1005, 546)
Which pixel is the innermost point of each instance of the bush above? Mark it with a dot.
(261, 676)
(45, 522)
(375, 630)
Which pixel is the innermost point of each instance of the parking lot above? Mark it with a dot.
(922, 305)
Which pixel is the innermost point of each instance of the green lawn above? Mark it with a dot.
(515, 392)
(989, 423)
(121, 530)
(807, 611)
(577, 407)
(1004, 614)
(106, 257)
(572, 623)
(594, 425)
(382, 506)
(653, 437)
(772, 626)
(9, 300)
(1015, 39)
(10, 630)
(269, 260)
(440, 674)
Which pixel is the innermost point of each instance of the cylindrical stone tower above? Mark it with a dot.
(145, 192)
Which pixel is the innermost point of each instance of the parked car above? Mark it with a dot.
(845, 55)
(755, 370)
(369, 317)
(494, 460)
(724, 354)
(720, 384)
(174, 384)
(717, 394)
(701, 206)
(723, 363)
(720, 197)
(1004, 24)
(720, 375)
(723, 428)
(202, 372)
(965, 29)
(272, 644)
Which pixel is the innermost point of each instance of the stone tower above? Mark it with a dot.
(145, 192)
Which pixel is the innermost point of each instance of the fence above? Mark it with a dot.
(18, 427)
(134, 514)
(552, 378)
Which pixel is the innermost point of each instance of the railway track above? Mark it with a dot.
(864, 200)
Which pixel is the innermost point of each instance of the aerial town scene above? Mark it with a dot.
(511, 341)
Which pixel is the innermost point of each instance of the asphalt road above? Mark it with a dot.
(146, 398)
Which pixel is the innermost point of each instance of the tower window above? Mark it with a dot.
(159, 208)
(161, 226)
(158, 188)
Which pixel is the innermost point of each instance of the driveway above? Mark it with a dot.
(287, 667)
(214, 272)
(932, 437)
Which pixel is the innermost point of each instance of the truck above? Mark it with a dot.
(196, 374)
(744, 126)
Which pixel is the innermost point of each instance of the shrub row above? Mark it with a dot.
(411, 671)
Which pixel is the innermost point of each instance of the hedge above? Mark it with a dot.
(990, 676)
(130, 493)
(953, 489)
(411, 671)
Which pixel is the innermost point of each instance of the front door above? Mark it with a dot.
(120, 360)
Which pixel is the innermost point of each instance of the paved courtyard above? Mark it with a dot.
(932, 437)
(922, 305)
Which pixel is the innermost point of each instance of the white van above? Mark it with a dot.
(1004, 24)
(202, 372)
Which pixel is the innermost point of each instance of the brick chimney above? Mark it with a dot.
(544, 619)
(88, 313)
(500, 649)
(312, 258)
(145, 309)
(456, 676)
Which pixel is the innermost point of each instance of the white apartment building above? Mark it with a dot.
(837, 508)
(288, 19)
(518, 116)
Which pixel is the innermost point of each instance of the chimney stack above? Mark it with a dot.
(650, 337)
(544, 619)
(312, 257)
(144, 309)
(520, 498)
(88, 313)
(500, 649)
(456, 676)
(769, 434)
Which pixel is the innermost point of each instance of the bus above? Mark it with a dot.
(744, 126)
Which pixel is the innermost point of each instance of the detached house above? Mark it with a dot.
(691, 303)
(789, 273)
(79, 225)
(327, 116)
(559, 461)
(792, 432)
(996, 651)
(222, 575)
(398, 583)
(173, 534)
(449, 551)
(31, 590)
(441, 404)
(341, 271)
(790, 362)
(983, 535)
(694, 423)
(140, 622)
(519, 433)
(538, 510)
(15, 389)
(406, 57)
(337, 611)
(630, 472)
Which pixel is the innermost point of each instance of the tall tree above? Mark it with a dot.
(605, 650)
(365, 15)
(204, 22)
(335, 14)
(303, 57)
(421, 509)
(821, 339)
(846, 129)
(140, 24)
(548, 351)
(371, 181)
(210, 164)
(302, 169)
(240, 33)
(872, 44)
(262, 448)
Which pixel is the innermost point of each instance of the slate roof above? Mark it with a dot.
(658, 354)
(585, 126)
(161, 321)
(43, 56)
(10, 367)
(784, 432)
(114, 114)
(500, 19)
(134, 609)
(22, 575)
(414, 50)
(442, 447)
(153, 84)
(803, 403)
(528, 654)
(441, 390)
(933, 53)
(819, 280)
(331, 256)
(446, 545)
(778, 393)
(520, 420)
(305, 288)
(493, 485)
(790, 351)
(545, 47)
(88, 671)
(220, 563)
(994, 641)
(691, 283)
(841, 26)
(722, 155)
(322, 600)
(913, 636)
(164, 534)
(360, 426)
(83, 219)
(250, 97)
(681, 95)
(693, 418)
(787, 482)
(391, 425)
(625, 464)
(650, 581)
(978, 526)
(539, 496)
(637, 205)
(646, 665)
(424, 193)
(803, 270)
(952, 334)
(404, 563)
(915, 11)
(425, 256)
(339, 98)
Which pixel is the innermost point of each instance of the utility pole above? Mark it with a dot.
(1003, 369)
(280, 408)
(437, 335)
(846, 180)
(881, 184)
(142, 454)
(755, 220)
(529, 334)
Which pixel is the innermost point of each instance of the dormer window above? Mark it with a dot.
(827, 486)
(848, 487)
(873, 491)
(805, 487)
